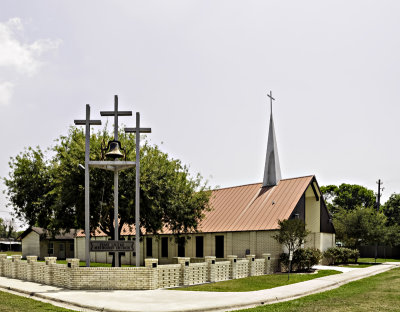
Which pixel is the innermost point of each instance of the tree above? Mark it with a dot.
(48, 190)
(360, 226)
(391, 209)
(292, 234)
(347, 196)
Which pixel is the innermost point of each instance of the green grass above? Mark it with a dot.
(377, 293)
(258, 282)
(11, 253)
(13, 303)
(356, 265)
(380, 260)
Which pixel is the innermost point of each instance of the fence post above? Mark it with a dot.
(267, 266)
(252, 264)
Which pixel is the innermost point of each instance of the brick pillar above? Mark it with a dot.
(3, 257)
(184, 262)
(73, 262)
(49, 275)
(267, 265)
(233, 267)
(31, 260)
(152, 264)
(211, 268)
(15, 265)
(252, 266)
(50, 260)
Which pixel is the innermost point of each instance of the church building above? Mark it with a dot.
(242, 221)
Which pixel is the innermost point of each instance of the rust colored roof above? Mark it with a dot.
(245, 208)
(253, 207)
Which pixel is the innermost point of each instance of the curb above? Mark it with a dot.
(249, 304)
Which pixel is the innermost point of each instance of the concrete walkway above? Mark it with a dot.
(170, 300)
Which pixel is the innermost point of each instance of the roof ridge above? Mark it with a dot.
(228, 187)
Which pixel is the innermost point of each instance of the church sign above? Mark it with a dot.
(112, 245)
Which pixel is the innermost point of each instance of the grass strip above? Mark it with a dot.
(377, 293)
(12, 303)
(258, 282)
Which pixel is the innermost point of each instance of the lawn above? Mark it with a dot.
(11, 253)
(380, 260)
(377, 293)
(258, 282)
(12, 303)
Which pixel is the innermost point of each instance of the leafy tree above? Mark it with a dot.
(391, 209)
(360, 226)
(48, 190)
(292, 234)
(347, 196)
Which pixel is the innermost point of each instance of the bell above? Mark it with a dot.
(114, 150)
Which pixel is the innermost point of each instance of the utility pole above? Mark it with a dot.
(378, 205)
(378, 200)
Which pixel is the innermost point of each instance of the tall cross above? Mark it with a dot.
(116, 113)
(87, 122)
(271, 98)
(137, 131)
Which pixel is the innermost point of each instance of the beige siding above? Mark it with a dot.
(31, 245)
(312, 211)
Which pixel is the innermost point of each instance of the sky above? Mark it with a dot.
(199, 73)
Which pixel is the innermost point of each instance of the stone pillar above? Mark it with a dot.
(267, 265)
(73, 262)
(233, 268)
(50, 260)
(252, 264)
(185, 263)
(16, 259)
(3, 257)
(31, 260)
(210, 260)
(49, 270)
(151, 263)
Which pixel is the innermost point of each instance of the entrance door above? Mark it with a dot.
(61, 251)
(219, 246)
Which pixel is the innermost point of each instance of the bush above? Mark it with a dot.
(336, 255)
(303, 259)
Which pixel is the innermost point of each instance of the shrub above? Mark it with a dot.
(303, 259)
(336, 255)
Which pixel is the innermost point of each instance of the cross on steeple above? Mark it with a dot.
(116, 113)
(271, 98)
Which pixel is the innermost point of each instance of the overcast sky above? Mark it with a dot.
(199, 73)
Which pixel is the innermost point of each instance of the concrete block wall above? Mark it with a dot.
(151, 276)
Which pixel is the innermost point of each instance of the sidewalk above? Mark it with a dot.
(170, 300)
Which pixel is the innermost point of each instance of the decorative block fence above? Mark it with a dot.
(151, 276)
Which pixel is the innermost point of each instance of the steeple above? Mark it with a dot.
(272, 170)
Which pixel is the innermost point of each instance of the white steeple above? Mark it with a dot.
(272, 170)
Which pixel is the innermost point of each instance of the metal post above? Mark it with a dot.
(378, 205)
(137, 197)
(87, 191)
(116, 232)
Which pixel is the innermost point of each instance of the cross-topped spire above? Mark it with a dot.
(272, 170)
(271, 98)
(116, 113)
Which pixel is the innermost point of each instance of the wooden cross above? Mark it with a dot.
(116, 113)
(271, 98)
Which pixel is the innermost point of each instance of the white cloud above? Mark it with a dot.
(22, 59)
(6, 91)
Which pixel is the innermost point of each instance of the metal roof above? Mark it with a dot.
(245, 208)
(253, 207)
